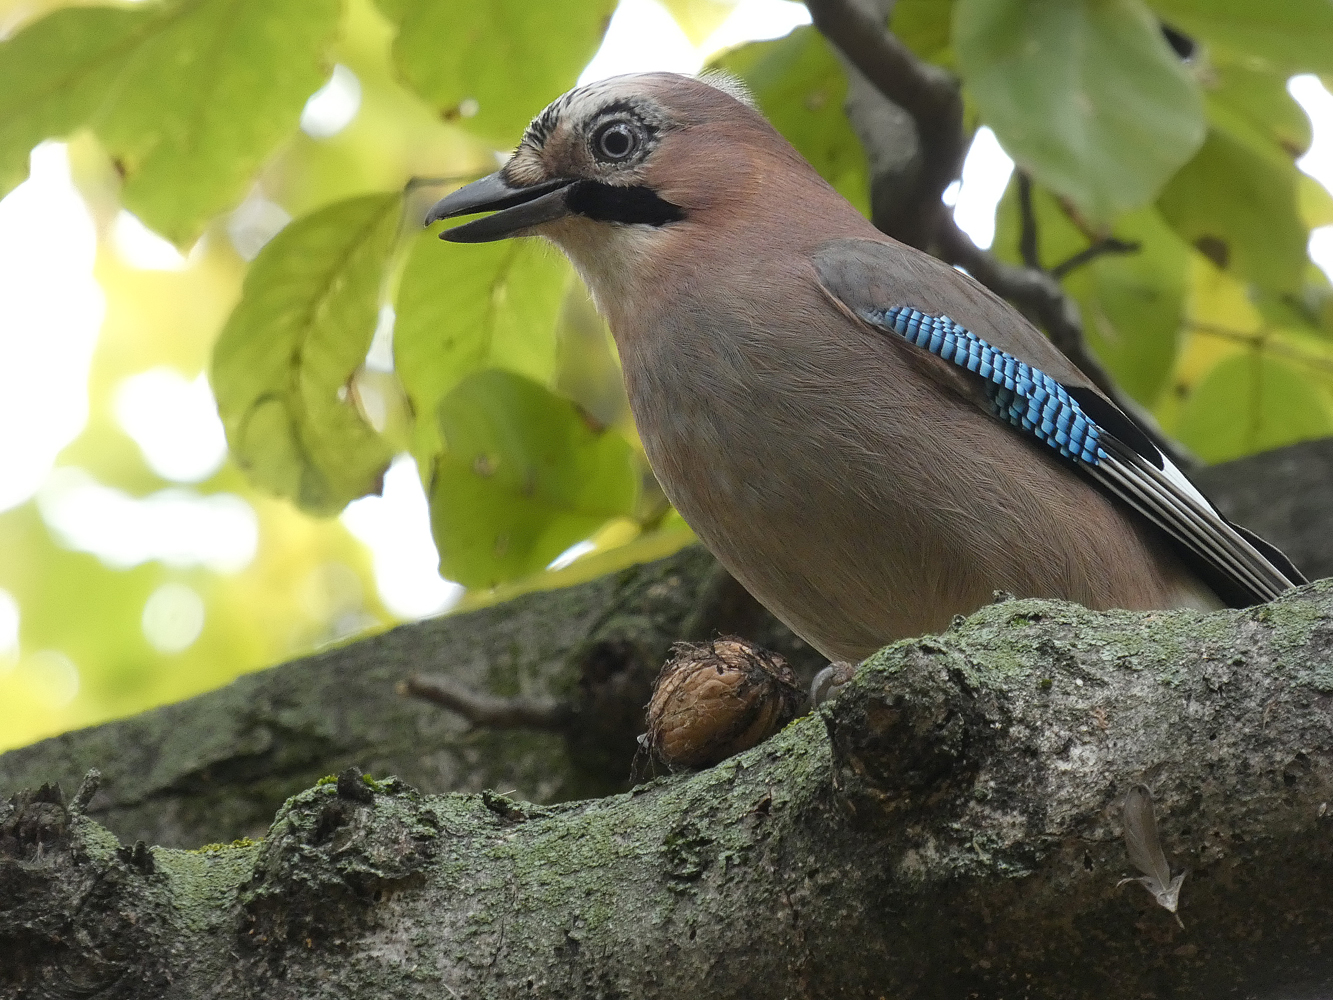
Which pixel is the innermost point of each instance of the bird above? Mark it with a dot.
(870, 441)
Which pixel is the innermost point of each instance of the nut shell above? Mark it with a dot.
(716, 699)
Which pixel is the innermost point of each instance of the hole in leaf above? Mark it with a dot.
(1215, 249)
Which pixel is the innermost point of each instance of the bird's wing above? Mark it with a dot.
(1026, 382)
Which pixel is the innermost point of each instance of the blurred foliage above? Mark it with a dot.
(1086, 93)
(188, 98)
(314, 291)
(1176, 151)
(543, 472)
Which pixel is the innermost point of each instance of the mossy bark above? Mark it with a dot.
(949, 825)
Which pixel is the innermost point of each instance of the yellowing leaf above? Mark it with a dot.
(523, 477)
(1314, 202)
(282, 365)
(1238, 207)
(1085, 94)
(699, 18)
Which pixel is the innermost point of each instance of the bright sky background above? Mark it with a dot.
(51, 309)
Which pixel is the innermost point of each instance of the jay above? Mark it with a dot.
(869, 440)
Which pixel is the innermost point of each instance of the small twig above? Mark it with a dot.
(1264, 342)
(1027, 238)
(488, 710)
(1108, 245)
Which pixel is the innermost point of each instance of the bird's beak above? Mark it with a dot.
(515, 208)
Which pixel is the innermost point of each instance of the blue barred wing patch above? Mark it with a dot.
(1024, 396)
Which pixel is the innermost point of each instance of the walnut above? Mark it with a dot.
(713, 700)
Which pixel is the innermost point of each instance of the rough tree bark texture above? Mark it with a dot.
(949, 825)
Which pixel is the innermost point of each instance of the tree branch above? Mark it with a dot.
(487, 710)
(215, 767)
(1108, 245)
(1027, 237)
(949, 825)
(928, 94)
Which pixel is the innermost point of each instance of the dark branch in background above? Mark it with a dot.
(488, 710)
(932, 98)
(1098, 249)
(1027, 238)
(930, 95)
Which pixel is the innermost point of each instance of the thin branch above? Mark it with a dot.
(1263, 341)
(487, 710)
(1027, 238)
(929, 94)
(1108, 245)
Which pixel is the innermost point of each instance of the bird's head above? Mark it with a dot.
(633, 168)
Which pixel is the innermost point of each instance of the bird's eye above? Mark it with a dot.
(615, 141)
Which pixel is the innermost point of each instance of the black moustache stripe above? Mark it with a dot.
(630, 205)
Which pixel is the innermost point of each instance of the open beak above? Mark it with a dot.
(515, 208)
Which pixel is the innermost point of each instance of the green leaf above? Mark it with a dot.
(1239, 207)
(800, 87)
(283, 362)
(524, 477)
(1255, 104)
(495, 64)
(1131, 304)
(465, 307)
(1084, 94)
(204, 101)
(1250, 403)
(55, 73)
(924, 26)
(1292, 35)
(189, 98)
